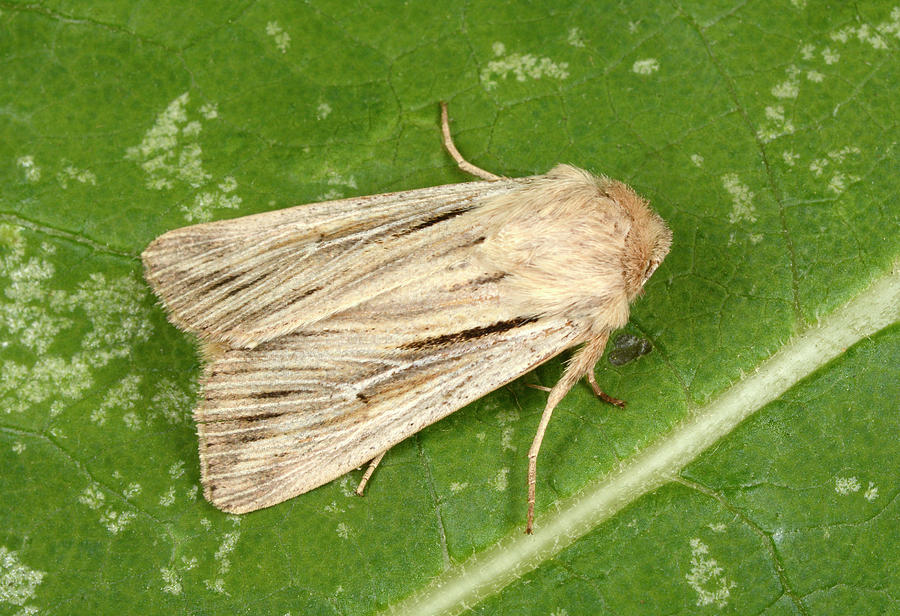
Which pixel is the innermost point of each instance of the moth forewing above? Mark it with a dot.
(252, 279)
(335, 330)
(299, 411)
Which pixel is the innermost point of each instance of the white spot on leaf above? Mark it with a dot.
(575, 39)
(778, 536)
(170, 402)
(170, 155)
(838, 183)
(697, 160)
(18, 582)
(71, 173)
(116, 521)
(846, 485)
(210, 111)
(871, 492)
(818, 166)
(132, 490)
(501, 480)
(132, 421)
(168, 498)
(790, 87)
(177, 469)
(776, 124)
(742, 199)
(92, 497)
(171, 581)
(98, 416)
(872, 35)
(229, 541)
(707, 578)
(506, 439)
(28, 166)
(282, 38)
(830, 56)
(507, 416)
(839, 155)
(520, 66)
(122, 396)
(334, 508)
(335, 179)
(646, 66)
(156, 152)
(323, 111)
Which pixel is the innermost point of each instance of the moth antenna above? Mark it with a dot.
(461, 162)
(368, 474)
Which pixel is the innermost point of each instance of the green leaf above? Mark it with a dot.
(754, 469)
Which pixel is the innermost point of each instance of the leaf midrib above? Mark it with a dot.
(876, 307)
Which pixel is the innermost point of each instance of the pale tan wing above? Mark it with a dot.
(252, 279)
(299, 411)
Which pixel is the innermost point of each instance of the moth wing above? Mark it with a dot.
(299, 411)
(252, 279)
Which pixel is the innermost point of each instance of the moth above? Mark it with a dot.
(333, 331)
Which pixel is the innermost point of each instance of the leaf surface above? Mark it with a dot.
(754, 469)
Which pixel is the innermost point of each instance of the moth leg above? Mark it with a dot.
(592, 380)
(538, 387)
(582, 363)
(461, 162)
(368, 474)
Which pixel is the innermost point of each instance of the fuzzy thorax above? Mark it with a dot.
(574, 245)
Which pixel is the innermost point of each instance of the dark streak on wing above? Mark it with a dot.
(435, 220)
(281, 393)
(245, 285)
(265, 310)
(490, 278)
(247, 421)
(262, 416)
(479, 281)
(221, 282)
(469, 334)
(252, 437)
(225, 280)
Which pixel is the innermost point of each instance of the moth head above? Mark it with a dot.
(647, 242)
